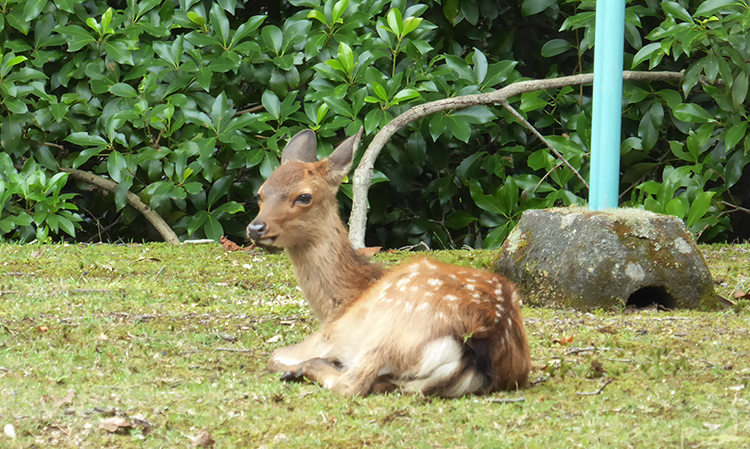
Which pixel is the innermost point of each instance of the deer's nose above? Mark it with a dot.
(255, 230)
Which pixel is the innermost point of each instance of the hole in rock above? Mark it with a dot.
(647, 296)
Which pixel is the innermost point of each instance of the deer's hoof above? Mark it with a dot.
(290, 376)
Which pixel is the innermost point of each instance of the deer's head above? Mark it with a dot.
(298, 201)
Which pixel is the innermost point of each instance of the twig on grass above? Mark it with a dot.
(505, 400)
(244, 351)
(594, 393)
(573, 351)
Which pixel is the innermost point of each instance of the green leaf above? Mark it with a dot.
(676, 10)
(244, 30)
(698, 209)
(338, 11)
(676, 207)
(271, 103)
(213, 229)
(219, 189)
(77, 37)
(734, 167)
(11, 134)
(735, 134)
(485, 202)
(116, 166)
(709, 7)
(739, 89)
(33, 8)
(84, 139)
(395, 21)
(379, 91)
(197, 221)
(692, 113)
(646, 52)
(273, 37)
(531, 7)
(119, 51)
(555, 47)
(220, 23)
(123, 90)
(459, 219)
(121, 192)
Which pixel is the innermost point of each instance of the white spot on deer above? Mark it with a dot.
(429, 294)
(440, 358)
(510, 323)
(451, 298)
(476, 301)
(507, 335)
(471, 287)
(499, 290)
(468, 382)
(500, 308)
(285, 361)
(476, 294)
(516, 298)
(328, 383)
(423, 306)
(429, 264)
(402, 282)
(497, 318)
(402, 288)
(414, 288)
(463, 272)
(441, 315)
(477, 274)
(435, 282)
(453, 276)
(409, 307)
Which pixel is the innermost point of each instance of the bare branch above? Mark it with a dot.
(363, 174)
(151, 215)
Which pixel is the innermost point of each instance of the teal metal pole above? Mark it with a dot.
(607, 114)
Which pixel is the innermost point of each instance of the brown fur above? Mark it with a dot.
(425, 326)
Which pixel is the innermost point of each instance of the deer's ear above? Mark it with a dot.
(301, 147)
(340, 161)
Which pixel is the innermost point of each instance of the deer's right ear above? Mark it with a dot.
(340, 161)
(301, 147)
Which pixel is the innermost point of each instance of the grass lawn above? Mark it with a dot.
(174, 341)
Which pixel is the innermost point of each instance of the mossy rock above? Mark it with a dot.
(572, 257)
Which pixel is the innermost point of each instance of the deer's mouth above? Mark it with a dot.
(266, 241)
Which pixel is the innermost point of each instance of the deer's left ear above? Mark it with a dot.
(301, 147)
(340, 161)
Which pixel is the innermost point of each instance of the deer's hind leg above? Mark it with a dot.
(290, 359)
(358, 380)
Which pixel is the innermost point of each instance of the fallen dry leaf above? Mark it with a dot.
(274, 339)
(115, 424)
(229, 245)
(203, 440)
(369, 251)
(564, 341)
(67, 399)
(741, 294)
(42, 328)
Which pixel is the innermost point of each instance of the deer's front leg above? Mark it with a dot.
(291, 358)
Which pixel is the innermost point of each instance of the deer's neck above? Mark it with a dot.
(330, 272)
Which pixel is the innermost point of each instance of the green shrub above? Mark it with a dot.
(187, 103)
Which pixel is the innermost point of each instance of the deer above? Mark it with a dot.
(423, 327)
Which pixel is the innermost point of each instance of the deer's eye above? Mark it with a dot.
(305, 198)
